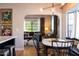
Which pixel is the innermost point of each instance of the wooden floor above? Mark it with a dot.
(28, 51)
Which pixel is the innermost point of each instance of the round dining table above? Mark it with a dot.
(47, 42)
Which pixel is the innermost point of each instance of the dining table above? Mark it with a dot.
(47, 42)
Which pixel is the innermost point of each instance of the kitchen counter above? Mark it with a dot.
(7, 41)
(6, 38)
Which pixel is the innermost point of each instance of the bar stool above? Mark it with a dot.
(11, 49)
(4, 52)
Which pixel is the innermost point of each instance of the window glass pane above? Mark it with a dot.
(52, 23)
(36, 25)
(77, 26)
(28, 26)
(71, 25)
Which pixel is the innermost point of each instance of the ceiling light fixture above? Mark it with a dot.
(62, 4)
(52, 7)
(41, 9)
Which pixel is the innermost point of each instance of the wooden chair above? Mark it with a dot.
(27, 38)
(38, 45)
(61, 48)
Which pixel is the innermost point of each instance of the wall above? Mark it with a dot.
(48, 23)
(19, 12)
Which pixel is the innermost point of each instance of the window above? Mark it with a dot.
(52, 23)
(77, 25)
(32, 25)
(36, 25)
(27, 26)
(70, 27)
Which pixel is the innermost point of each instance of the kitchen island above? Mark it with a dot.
(7, 41)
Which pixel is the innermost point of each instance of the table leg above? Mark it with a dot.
(46, 49)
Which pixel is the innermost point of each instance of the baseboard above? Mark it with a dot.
(19, 49)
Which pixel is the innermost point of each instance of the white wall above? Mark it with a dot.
(19, 12)
(63, 26)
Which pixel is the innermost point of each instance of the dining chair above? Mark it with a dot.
(38, 44)
(27, 38)
(61, 48)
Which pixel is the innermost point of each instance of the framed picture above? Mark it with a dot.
(6, 22)
(6, 32)
(6, 14)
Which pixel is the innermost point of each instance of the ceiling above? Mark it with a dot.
(42, 5)
(34, 5)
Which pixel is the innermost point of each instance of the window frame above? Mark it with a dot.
(32, 26)
(67, 25)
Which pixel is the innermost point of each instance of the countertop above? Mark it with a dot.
(6, 38)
